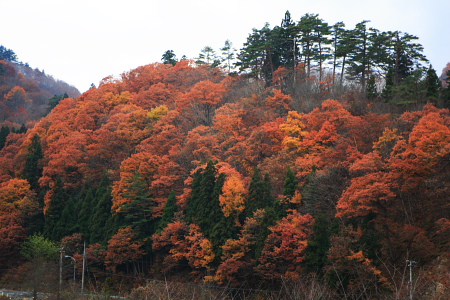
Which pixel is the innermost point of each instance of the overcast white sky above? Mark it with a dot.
(83, 41)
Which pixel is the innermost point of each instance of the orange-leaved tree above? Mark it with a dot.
(124, 250)
(284, 249)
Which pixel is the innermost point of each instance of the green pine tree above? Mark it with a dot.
(102, 224)
(68, 222)
(137, 212)
(53, 215)
(169, 211)
(22, 129)
(432, 84)
(204, 209)
(371, 90)
(52, 102)
(269, 220)
(290, 188)
(290, 184)
(319, 243)
(84, 208)
(259, 194)
(389, 85)
(33, 170)
(4, 132)
(169, 58)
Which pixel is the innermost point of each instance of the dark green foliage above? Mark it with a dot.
(53, 215)
(306, 27)
(410, 90)
(219, 228)
(269, 220)
(137, 212)
(290, 188)
(33, 169)
(359, 59)
(2, 70)
(203, 207)
(371, 90)
(102, 223)
(268, 49)
(52, 102)
(370, 240)
(314, 39)
(4, 132)
(7, 54)
(68, 223)
(358, 52)
(85, 205)
(259, 194)
(406, 55)
(319, 243)
(208, 56)
(446, 92)
(432, 83)
(290, 184)
(389, 85)
(228, 55)
(22, 129)
(169, 58)
(169, 211)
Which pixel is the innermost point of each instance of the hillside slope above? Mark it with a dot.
(222, 178)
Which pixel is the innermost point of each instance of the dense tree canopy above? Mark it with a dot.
(253, 178)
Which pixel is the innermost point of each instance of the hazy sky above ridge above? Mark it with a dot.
(81, 41)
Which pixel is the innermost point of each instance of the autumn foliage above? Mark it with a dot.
(220, 146)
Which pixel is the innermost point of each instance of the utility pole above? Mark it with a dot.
(61, 251)
(410, 263)
(74, 267)
(84, 264)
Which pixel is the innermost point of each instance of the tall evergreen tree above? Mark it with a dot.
(289, 191)
(22, 129)
(222, 228)
(288, 45)
(359, 58)
(389, 84)
(306, 26)
(406, 54)
(137, 212)
(228, 55)
(7, 54)
(204, 209)
(102, 224)
(338, 34)
(432, 83)
(259, 194)
(33, 169)
(68, 223)
(446, 91)
(169, 211)
(371, 91)
(208, 56)
(84, 208)
(321, 47)
(4, 132)
(169, 58)
(319, 244)
(56, 206)
(52, 102)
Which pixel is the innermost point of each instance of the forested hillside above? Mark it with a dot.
(282, 172)
(25, 92)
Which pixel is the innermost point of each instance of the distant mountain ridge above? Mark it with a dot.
(25, 92)
(47, 82)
